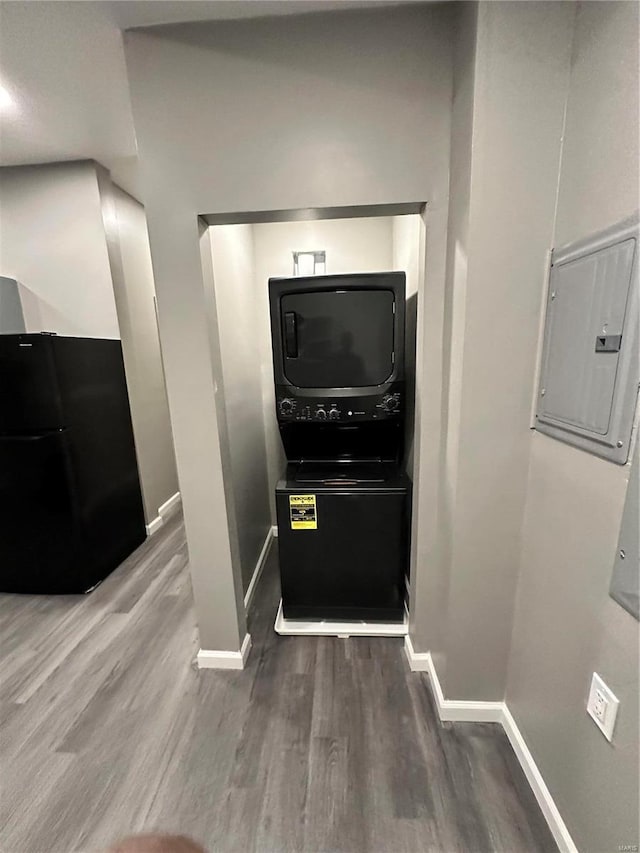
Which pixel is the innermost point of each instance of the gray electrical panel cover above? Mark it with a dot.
(590, 363)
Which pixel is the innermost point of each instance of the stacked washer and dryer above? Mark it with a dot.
(343, 506)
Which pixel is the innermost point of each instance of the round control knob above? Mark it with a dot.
(334, 414)
(321, 415)
(389, 403)
(286, 406)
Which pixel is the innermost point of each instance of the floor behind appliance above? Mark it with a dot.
(351, 564)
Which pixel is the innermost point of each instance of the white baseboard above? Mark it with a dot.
(538, 786)
(211, 659)
(495, 712)
(167, 506)
(418, 661)
(452, 709)
(154, 525)
(327, 628)
(163, 512)
(262, 559)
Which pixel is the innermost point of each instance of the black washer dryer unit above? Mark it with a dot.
(343, 507)
(350, 563)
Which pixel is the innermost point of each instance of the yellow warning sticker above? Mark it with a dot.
(302, 511)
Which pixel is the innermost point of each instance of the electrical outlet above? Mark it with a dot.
(602, 706)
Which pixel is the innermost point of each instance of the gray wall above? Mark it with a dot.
(52, 241)
(406, 234)
(518, 510)
(79, 248)
(507, 124)
(429, 593)
(517, 125)
(11, 313)
(133, 289)
(240, 323)
(213, 587)
(490, 498)
(565, 625)
(273, 151)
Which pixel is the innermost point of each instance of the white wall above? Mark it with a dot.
(352, 245)
(52, 241)
(565, 624)
(240, 322)
(405, 243)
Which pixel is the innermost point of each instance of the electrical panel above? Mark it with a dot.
(590, 366)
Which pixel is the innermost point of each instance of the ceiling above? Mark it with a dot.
(146, 13)
(62, 66)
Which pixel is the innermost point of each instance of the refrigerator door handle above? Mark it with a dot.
(36, 436)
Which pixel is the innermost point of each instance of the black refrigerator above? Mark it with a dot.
(70, 502)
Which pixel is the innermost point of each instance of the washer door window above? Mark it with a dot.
(338, 339)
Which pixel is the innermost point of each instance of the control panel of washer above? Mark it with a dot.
(340, 409)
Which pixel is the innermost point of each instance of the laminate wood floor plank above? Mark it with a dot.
(320, 745)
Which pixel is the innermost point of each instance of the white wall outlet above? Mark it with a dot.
(602, 706)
